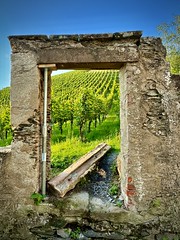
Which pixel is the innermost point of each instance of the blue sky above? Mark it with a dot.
(24, 17)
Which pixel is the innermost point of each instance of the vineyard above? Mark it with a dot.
(84, 97)
(84, 112)
(5, 127)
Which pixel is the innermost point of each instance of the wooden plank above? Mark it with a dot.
(51, 66)
(68, 179)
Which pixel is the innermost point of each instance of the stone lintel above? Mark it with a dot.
(36, 43)
(28, 37)
(88, 55)
(81, 37)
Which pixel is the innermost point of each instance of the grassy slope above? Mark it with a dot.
(65, 152)
(67, 148)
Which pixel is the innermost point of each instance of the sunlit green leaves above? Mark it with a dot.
(5, 126)
(83, 97)
(170, 34)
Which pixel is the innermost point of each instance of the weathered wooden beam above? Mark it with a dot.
(51, 66)
(68, 179)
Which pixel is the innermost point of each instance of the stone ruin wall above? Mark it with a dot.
(150, 119)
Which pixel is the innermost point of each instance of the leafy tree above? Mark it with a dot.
(71, 106)
(59, 112)
(170, 34)
(85, 111)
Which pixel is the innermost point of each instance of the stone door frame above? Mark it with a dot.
(143, 73)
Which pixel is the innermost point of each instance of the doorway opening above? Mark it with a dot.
(85, 111)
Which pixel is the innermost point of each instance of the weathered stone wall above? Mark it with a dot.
(26, 122)
(150, 134)
(147, 127)
(150, 106)
(5, 155)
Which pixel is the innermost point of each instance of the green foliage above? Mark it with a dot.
(114, 168)
(38, 198)
(7, 141)
(174, 59)
(156, 203)
(5, 126)
(114, 189)
(170, 34)
(74, 234)
(119, 203)
(84, 97)
(86, 110)
(5, 96)
(167, 238)
(65, 150)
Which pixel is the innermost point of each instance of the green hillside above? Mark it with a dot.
(84, 97)
(70, 84)
(85, 112)
(5, 128)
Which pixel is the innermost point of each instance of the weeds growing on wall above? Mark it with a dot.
(37, 198)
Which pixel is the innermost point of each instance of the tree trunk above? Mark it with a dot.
(99, 118)
(72, 121)
(89, 126)
(61, 127)
(81, 132)
(95, 122)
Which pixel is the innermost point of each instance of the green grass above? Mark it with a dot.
(107, 130)
(6, 142)
(66, 150)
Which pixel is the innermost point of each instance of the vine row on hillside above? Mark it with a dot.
(84, 97)
(5, 127)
